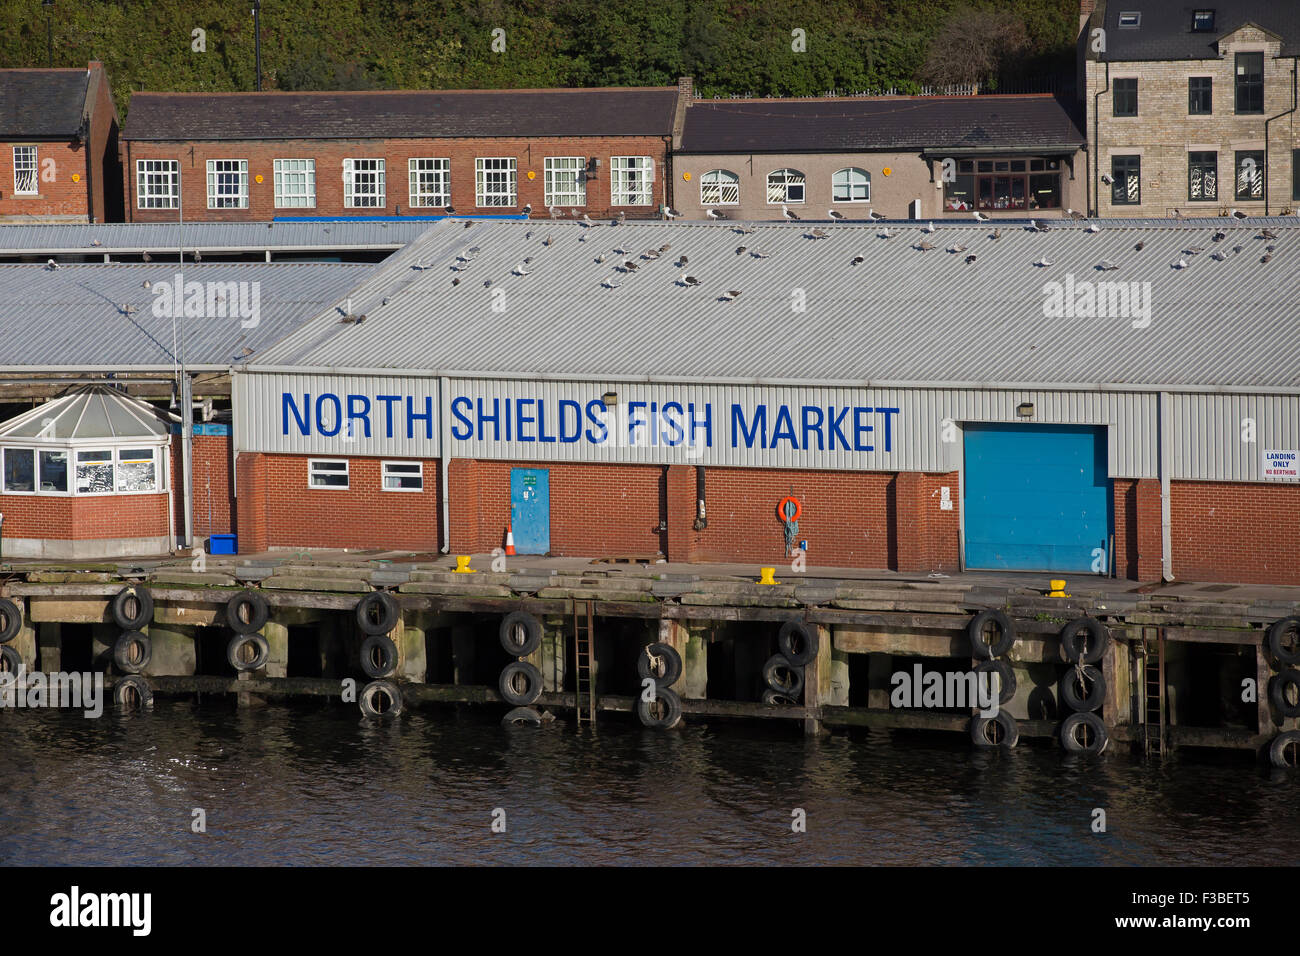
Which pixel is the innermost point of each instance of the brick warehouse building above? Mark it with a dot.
(934, 401)
(257, 156)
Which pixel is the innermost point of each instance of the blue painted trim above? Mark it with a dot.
(516, 216)
(205, 428)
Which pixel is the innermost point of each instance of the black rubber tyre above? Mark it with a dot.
(1277, 692)
(377, 613)
(380, 699)
(1084, 733)
(132, 652)
(783, 677)
(512, 676)
(669, 661)
(980, 646)
(1088, 699)
(1284, 640)
(522, 717)
(1084, 640)
(11, 619)
(1284, 751)
(1007, 685)
(521, 633)
(10, 661)
(133, 693)
(798, 642)
(251, 605)
(378, 646)
(261, 652)
(775, 698)
(141, 600)
(1000, 730)
(662, 713)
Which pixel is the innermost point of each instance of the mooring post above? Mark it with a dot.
(277, 640)
(173, 651)
(837, 690)
(1267, 728)
(49, 640)
(412, 660)
(553, 663)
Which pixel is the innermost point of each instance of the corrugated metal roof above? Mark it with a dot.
(94, 412)
(76, 316)
(162, 239)
(902, 316)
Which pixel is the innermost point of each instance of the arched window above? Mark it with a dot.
(719, 187)
(785, 186)
(851, 185)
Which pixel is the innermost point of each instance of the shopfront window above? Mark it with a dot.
(1004, 184)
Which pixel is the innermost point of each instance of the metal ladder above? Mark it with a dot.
(1153, 693)
(584, 685)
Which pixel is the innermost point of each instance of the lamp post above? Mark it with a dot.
(49, 30)
(257, 39)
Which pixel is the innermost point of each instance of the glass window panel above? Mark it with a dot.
(20, 469)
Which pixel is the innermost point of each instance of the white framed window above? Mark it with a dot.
(157, 184)
(494, 181)
(851, 185)
(785, 186)
(137, 470)
(403, 476)
(430, 182)
(719, 187)
(565, 180)
(54, 472)
(95, 472)
(327, 473)
(363, 184)
(19, 471)
(295, 183)
(227, 184)
(25, 171)
(631, 180)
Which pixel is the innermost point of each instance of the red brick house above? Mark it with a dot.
(258, 156)
(58, 146)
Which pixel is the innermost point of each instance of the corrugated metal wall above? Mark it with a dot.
(1207, 428)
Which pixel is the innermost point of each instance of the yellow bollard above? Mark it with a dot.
(1057, 589)
(462, 565)
(766, 576)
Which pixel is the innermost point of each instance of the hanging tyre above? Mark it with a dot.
(132, 652)
(1284, 641)
(521, 633)
(10, 661)
(133, 693)
(775, 698)
(1006, 678)
(380, 699)
(1084, 733)
(247, 612)
(1084, 640)
(378, 656)
(1284, 751)
(522, 717)
(991, 634)
(1083, 688)
(798, 642)
(781, 676)
(377, 613)
(661, 713)
(1284, 692)
(132, 608)
(520, 683)
(661, 662)
(1000, 730)
(11, 620)
(248, 652)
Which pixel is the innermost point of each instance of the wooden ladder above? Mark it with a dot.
(1153, 687)
(584, 685)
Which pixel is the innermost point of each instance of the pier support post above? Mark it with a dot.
(550, 656)
(695, 664)
(102, 639)
(837, 690)
(462, 653)
(277, 639)
(817, 681)
(412, 663)
(879, 669)
(173, 651)
(1263, 673)
(49, 641)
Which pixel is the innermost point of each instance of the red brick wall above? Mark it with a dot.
(1136, 506)
(78, 518)
(251, 514)
(329, 155)
(212, 465)
(62, 197)
(1235, 531)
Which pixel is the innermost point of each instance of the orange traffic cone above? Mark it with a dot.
(510, 540)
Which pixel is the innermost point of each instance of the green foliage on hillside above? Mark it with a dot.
(729, 46)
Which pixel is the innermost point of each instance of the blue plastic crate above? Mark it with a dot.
(223, 544)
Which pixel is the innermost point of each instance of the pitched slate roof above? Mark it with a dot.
(42, 104)
(396, 114)
(1165, 30)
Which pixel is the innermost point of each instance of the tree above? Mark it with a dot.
(974, 45)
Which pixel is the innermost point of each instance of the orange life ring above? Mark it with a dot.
(780, 508)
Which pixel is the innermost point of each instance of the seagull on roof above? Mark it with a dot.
(1043, 263)
(611, 284)
(688, 280)
(629, 266)
(468, 223)
(928, 228)
(519, 270)
(1179, 215)
(786, 213)
(819, 234)
(1218, 256)
(1238, 214)
(681, 260)
(198, 257)
(714, 214)
(875, 216)
(923, 246)
(1092, 227)
(885, 233)
(600, 258)
(127, 309)
(528, 209)
(1139, 246)
(1075, 214)
(970, 258)
(671, 213)
(995, 234)
(744, 230)
(650, 255)
(981, 217)
(729, 295)
(740, 250)
(1107, 266)
(1180, 264)
(1265, 258)
(95, 242)
(1268, 233)
(145, 257)
(957, 248)
(1237, 249)
(857, 260)
(834, 213)
(759, 254)
(1218, 237)
(1193, 250)
(555, 213)
(664, 248)
(146, 284)
(51, 265)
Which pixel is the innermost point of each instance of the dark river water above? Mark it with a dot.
(315, 784)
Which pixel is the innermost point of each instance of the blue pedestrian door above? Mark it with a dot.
(1037, 498)
(530, 509)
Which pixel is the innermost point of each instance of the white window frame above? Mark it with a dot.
(419, 473)
(36, 471)
(157, 184)
(295, 183)
(312, 472)
(219, 195)
(850, 184)
(29, 166)
(555, 191)
(487, 170)
(158, 471)
(784, 179)
(720, 182)
(75, 454)
(372, 167)
(631, 180)
(434, 168)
